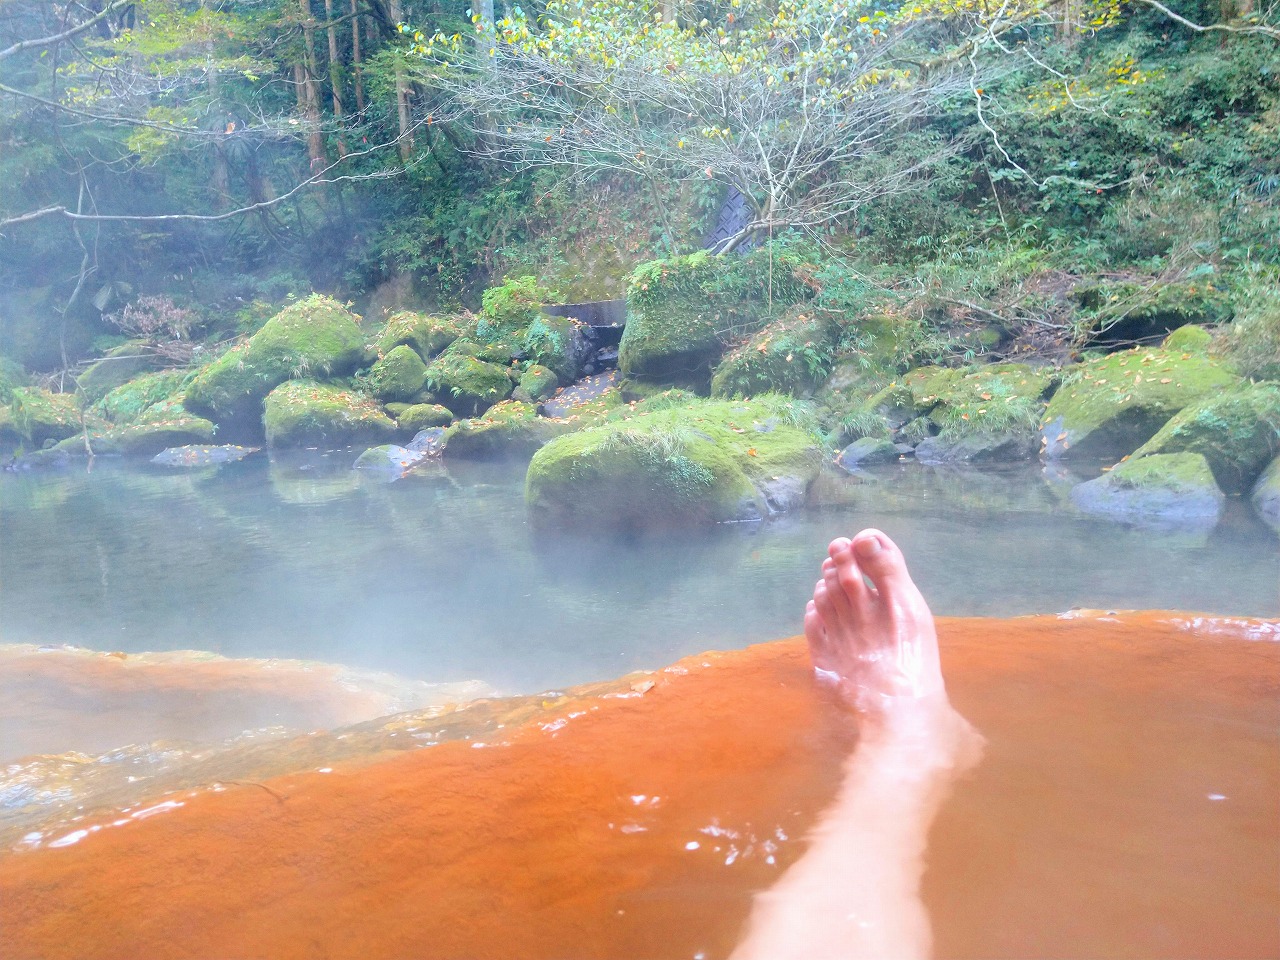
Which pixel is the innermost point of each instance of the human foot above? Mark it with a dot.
(876, 639)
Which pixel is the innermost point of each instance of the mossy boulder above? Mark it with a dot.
(151, 437)
(1127, 312)
(681, 312)
(467, 385)
(1191, 338)
(315, 337)
(499, 352)
(537, 383)
(301, 413)
(791, 355)
(1171, 487)
(705, 462)
(507, 429)
(11, 375)
(1265, 496)
(427, 335)
(41, 415)
(510, 307)
(1237, 431)
(399, 376)
(559, 344)
(421, 416)
(10, 436)
(866, 452)
(1108, 407)
(117, 367)
(126, 403)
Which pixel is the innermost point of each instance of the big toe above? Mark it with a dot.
(881, 560)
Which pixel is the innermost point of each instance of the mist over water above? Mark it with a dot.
(438, 577)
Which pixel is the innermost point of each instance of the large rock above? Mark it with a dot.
(118, 366)
(792, 355)
(1237, 431)
(681, 312)
(316, 337)
(559, 344)
(40, 415)
(1107, 408)
(399, 376)
(303, 413)
(427, 335)
(422, 416)
(1175, 487)
(701, 463)
(537, 383)
(510, 429)
(1266, 494)
(976, 448)
(126, 403)
(467, 385)
(866, 452)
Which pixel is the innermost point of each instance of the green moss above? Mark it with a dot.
(1237, 431)
(512, 306)
(420, 416)
(11, 375)
(41, 415)
(126, 403)
(704, 462)
(1110, 406)
(1188, 339)
(1130, 311)
(466, 384)
(558, 344)
(315, 337)
(792, 355)
(1175, 471)
(120, 365)
(510, 428)
(399, 376)
(681, 312)
(306, 413)
(427, 335)
(537, 383)
(994, 400)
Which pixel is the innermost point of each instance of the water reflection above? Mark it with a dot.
(438, 577)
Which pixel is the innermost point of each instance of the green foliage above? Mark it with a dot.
(1252, 342)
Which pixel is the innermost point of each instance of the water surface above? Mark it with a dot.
(438, 577)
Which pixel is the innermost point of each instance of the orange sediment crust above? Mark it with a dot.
(638, 823)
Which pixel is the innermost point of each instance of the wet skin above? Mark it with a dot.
(856, 891)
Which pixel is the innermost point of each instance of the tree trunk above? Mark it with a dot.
(356, 70)
(309, 89)
(402, 92)
(221, 181)
(335, 75)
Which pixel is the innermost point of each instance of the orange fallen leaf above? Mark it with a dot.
(751, 451)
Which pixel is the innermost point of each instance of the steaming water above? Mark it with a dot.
(438, 577)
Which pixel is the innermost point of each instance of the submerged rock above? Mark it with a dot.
(707, 462)
(976, 448)
(389, 460)
(1266, 494)
(202, 455)
(1176, 487)
(1109, 407)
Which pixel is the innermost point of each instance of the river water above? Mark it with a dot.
(438, 578)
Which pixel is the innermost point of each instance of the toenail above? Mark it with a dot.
(868, 547)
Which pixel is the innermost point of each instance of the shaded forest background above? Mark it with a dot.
(202, 162)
